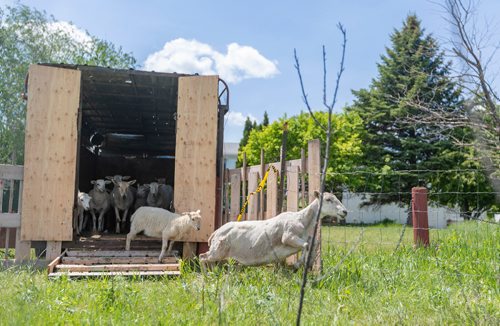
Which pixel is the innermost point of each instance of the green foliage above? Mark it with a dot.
(455, 281)
(346, 143)
(28, 36)
(399, 134)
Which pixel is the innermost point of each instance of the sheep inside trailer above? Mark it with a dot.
(84, 123)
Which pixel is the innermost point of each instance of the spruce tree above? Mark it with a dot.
(413, 70)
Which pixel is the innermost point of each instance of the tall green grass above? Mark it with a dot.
(366, 281)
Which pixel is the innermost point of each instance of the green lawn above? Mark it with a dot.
(366, 281)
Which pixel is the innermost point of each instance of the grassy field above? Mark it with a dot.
(366, 280)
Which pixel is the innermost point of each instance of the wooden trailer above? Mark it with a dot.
(85, 123)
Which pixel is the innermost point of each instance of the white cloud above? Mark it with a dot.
(238, 119)
(72, 31)
(190, 56)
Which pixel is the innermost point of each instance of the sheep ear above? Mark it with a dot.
(198, 212)
(131, 182)
(109, 178)
(126, 177)
(92, 182)
(107, 182)
(316, 193)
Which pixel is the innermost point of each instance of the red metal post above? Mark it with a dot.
(420, 216)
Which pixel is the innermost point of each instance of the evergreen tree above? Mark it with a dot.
(244, 140)
(412, 71)
(265, 120)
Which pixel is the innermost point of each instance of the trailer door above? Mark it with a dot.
(196, 151)
(50, 153)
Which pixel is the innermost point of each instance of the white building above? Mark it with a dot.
(439, 216)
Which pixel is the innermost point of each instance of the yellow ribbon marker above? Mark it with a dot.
(259, 189)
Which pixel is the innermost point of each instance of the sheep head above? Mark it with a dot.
(100, 184)
(332, 206)
(84, 200)
(195, 219)
(123, 187)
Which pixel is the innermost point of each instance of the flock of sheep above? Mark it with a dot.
(153, 210)
(123, 198)
(248, 242)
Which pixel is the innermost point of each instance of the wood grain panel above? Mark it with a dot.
(50, 153)
(235, 196)
(196, 150)
(253, 201)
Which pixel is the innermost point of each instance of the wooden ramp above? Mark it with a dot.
(105, 263)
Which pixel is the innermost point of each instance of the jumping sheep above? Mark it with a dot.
(158, 222)
(272, 240)
(100, 202)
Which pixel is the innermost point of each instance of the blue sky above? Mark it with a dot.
(250, 43)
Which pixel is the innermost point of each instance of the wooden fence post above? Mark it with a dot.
(420, 216)
(314, 171)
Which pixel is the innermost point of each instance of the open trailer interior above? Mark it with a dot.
(85, 123)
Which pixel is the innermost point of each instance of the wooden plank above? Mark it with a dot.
(53, 263)
(235, 196)
(314, 167)
(226, 197)
(10, 220)
(189, 250)
(7, 243)
(116, 267)
(23, 248)
(292, 198)
(244, 183)
(196, 149)
(253, 202)
(272, 194)
(116, 260)
(11, 172)
(112, 253)
(1, 195)
(53, 249)
(262, 193)
(107, 274)
(314, 171)
(50, 153)
(303, 171)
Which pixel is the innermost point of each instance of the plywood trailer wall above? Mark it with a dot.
(196, 151)
(50, 153)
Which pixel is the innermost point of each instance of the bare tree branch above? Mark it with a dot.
(311, 248)
(304, 95)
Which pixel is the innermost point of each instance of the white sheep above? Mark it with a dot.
(122, 199)
(158, 222)
(271, 240)
(83, 205)
(100, 203)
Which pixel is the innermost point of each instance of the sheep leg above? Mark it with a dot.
(294, 241)
(94, 221)
(131, 236)
(79, 224)
(101, 221)
(118, 219)
(164, 244)
(170, 246)
(124, 219)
